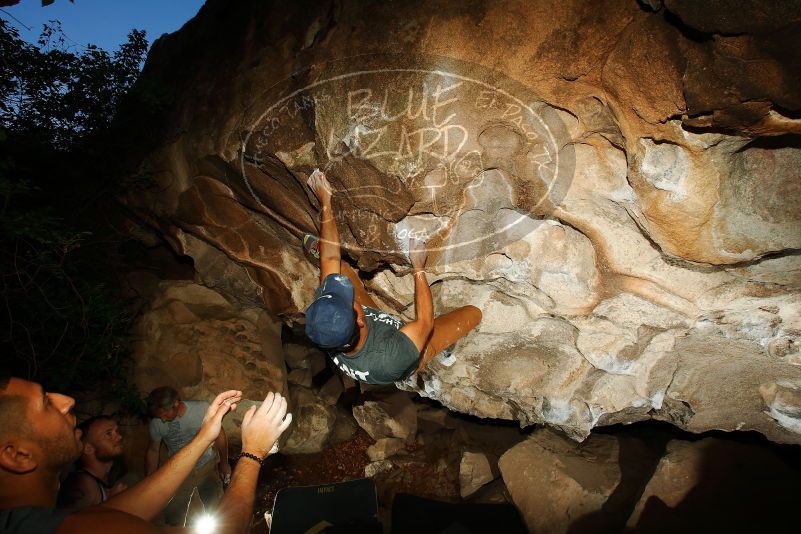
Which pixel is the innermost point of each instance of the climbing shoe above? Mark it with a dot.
(446, 357)
(311, 248)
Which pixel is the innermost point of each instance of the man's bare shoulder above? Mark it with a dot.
(79, 490)
(104, 519)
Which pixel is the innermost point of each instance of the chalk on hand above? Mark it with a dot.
(313, 176)
(228, 402)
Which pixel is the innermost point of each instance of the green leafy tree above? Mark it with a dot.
(63, 321)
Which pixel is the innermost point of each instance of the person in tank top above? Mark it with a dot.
(89, 484)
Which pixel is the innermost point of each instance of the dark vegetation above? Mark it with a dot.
(69, 118)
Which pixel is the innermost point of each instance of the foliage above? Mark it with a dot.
(61, 94)
(64, 322)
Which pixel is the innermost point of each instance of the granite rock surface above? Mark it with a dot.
(617, 189)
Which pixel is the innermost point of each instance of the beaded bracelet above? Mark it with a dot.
(251, 456)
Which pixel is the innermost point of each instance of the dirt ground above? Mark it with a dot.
(428, 467)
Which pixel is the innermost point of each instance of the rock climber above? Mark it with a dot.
(364, 342)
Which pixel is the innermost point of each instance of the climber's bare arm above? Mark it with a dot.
(420, 329)
(330, 256)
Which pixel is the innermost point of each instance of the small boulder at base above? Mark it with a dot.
(393, 417)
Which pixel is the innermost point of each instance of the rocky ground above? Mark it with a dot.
(439, 456)
(647, 477)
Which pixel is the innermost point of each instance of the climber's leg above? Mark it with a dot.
(448, 329)
(311, 248)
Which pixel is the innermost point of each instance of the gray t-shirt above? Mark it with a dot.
(180, 431)
(388, 355)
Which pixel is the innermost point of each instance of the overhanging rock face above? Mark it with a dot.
(617, 189)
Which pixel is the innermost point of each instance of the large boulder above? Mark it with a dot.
(678, 472)
(553, 482)
(615, 188)
(719, 484)
(192, 338)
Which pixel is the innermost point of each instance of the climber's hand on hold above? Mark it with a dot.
(318, 183)
(418, 254)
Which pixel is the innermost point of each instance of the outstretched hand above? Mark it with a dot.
(320, 185)
(221, 405)
(418, 254)
(262, 426)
